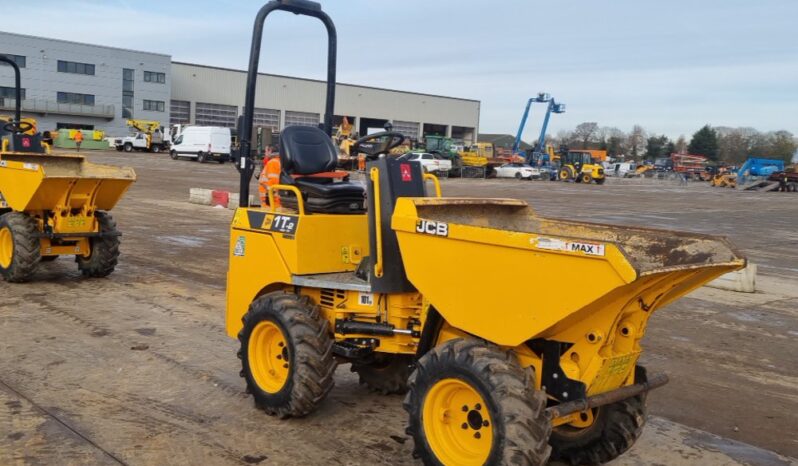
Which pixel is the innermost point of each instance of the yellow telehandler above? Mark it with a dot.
(371, 275)
(53, 205)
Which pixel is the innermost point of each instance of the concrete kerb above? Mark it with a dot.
(743, 281)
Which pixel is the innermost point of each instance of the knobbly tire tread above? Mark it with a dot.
(27, 247)
(388, 379)
(517, 409)
(614, 431)
(310, 347)
(104, 250)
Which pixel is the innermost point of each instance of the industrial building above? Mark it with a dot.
(215, 96)
(74, 85)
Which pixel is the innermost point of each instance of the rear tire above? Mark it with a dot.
(565, 174)
(386, 373)
(20, 248)
(518, 176)
(286, 354)
(469, 402)
(600, 180)
(156, 149)
(104, 253)
(128, 147)
(615, 429)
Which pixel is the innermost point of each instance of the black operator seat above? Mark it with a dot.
(308, 159)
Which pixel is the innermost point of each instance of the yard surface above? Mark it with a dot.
(137, 368)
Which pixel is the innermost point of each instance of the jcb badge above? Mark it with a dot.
(432, 228)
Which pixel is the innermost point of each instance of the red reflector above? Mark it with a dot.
(25, 142)
(406, 173)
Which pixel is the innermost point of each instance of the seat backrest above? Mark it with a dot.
(306, 150)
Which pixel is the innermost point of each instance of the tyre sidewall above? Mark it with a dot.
(260, 311)
(441, 372)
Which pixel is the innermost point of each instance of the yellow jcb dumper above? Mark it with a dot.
(371, 275)
(52, 205)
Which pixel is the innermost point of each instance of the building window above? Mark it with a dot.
(128, 76)
(20, 60)
(73, 126)
(180, 112)
(267, 117)
(153, 77)
(75, 98)
(301, 119)
(154, 106)
(10, 93)
(216, 115)
(74, 67)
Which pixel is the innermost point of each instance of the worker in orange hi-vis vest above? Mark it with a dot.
(361, 162)
(268, 177)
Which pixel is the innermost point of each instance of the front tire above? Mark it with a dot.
(156, 149)
(20, 248)
(471, 403)
(201, 157)
(173, 155)
(286, 354)
(586, 178)
(386, 373)
(615, 428)
(104, 254)
(518, 176)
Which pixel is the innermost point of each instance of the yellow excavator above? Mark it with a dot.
(367, 274)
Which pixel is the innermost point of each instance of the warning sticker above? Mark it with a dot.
(554, 244)
(240, 248)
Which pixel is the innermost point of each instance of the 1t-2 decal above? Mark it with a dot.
(284, 224)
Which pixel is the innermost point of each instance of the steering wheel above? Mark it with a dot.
(17, 126)
(377, 144)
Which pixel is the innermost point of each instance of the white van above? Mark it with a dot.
(202, 143)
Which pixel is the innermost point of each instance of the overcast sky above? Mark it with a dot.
(670, 66)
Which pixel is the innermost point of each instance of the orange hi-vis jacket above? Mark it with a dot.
(270, 176)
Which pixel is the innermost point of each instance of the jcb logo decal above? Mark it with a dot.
(432, 228)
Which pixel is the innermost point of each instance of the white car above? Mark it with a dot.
(521, 171)
(430, 163)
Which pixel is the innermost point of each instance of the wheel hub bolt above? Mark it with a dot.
(477, 435)
(465, 408)
(465, 425)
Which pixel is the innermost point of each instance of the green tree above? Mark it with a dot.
(783, 146)
(705, 142)
(656, 146)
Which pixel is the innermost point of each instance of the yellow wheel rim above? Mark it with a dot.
(6, 247)
(564, 175)
(457, 424)
(268, 356)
